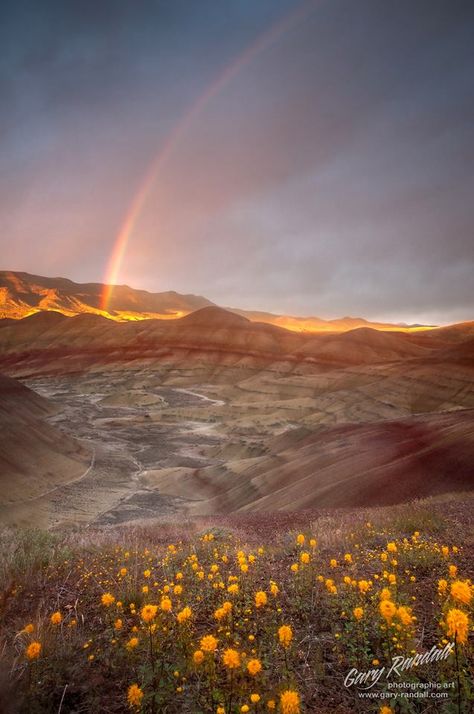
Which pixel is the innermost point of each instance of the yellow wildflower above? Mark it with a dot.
(442, 586)
(254, 666)
(457, 625)
(404, 615)
(208, 643)
(165, 604)
(198, 657)
(290, 702)
(387, 610)
(231, 658)
(260, 598)
(184, 614)
(134, 696)
(461, 591)
(56, 618)
(148, 612)
(33, 650)
(285, 635)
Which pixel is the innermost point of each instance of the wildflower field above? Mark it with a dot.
(257, 614)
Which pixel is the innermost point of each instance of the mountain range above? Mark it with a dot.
(22, 295)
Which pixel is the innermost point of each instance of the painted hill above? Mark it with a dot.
(35, 457)
(52, 342)
(343, 466)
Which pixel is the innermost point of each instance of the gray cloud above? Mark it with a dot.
(332, 175)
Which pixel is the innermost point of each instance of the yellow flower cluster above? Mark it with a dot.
(224, 621)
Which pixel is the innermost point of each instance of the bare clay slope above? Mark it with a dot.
(34, 456)
(344, 466)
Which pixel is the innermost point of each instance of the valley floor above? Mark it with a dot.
(159, 443)
(128, 432)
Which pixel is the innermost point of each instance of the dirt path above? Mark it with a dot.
(68, 483)
(217, 402)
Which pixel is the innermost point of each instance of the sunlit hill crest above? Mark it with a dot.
(23, 294)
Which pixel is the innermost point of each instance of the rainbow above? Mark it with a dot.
(265, 40)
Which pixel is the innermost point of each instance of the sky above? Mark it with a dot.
(307, 158)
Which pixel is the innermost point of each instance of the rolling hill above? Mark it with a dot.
(343, 466)
(50, 341)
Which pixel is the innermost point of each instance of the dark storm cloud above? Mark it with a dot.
(333, 174)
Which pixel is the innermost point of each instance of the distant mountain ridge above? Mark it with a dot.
(23, 294)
